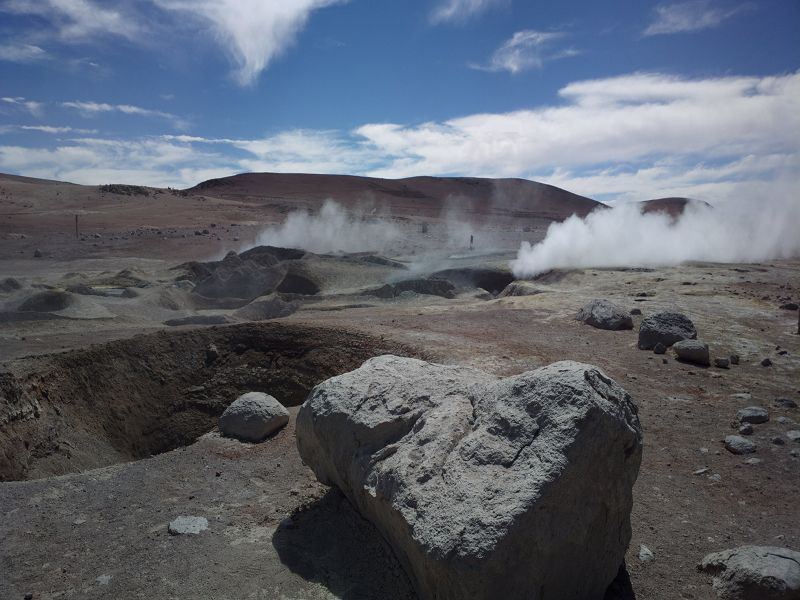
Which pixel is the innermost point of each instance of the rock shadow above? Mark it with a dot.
(330, 543)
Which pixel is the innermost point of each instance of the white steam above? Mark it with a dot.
(330, 230)
(736, 231)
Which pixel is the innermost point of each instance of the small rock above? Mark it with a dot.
(702, 471)
(104, 579)
(753, 414)
(692, 351)
(603, 314)
(37, 253)
(636, 311)
(736, 444)
(252, 417)
(746, 429)
(212, 353)
(746, 396)
(188, 525)
(793, 435)
(778, 441)
(664, 361)
(795, 453)
(659, 348)
(716, 477)
(645, 554)
(665, 327)
(784, 420)
(734, 358)
(789, 306)
(722, 363)
(754, 573)
(752, 461)
(785, 403)
(766, 362)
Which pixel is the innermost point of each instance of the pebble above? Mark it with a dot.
(785, 403)
(722, 363)
(742, 396)
(794, 435)
(778, 441)
(766, 362)
(104, 579)
(702, 471)
(746, 429)
(734, 358)
(752, 461)
(795, 453)
(716, 477)
(659, 348)
(645, 554)
(188, 525)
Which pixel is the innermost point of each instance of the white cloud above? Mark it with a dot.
(20, 103)
(454, 11)
(525, 50)
(93, 108)
(78, 20)
(629, 137)
(687, 17)
(252, 32)
(22, 53)
(56, 130)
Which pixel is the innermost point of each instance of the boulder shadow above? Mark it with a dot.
(330, 543)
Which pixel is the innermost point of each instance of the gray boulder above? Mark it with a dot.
(736, 444)
(252, 417)
(692, 351)
(605, 315)
(754, 573)
(667, 328)
(753, 414)
(484, 488)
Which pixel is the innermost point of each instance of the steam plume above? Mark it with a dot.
(736, 231)
(331, 230)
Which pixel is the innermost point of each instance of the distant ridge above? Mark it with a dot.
(425, 195)
(674, 206)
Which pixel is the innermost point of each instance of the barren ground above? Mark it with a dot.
(87, 515)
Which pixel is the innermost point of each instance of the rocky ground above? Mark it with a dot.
(87, 515)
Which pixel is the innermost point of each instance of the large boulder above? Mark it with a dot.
(605, 315)
(666, 328)
(484, 488)
(692, 351)
(755, 573)
(252, 417)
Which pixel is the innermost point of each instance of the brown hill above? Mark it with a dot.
(414, 195)
(673, 206)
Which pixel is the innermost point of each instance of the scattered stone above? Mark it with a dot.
(734, 358)
(636, 311)
(664, 361)
(784, 420)
(212, 353)
(37, 253)
(736, 444)
(746, 429)
(778, 440)
(722, 363)
(659, 348)
(795, 453)
(794, 435)
(407, 441)
(753, 414)
(188, 525)
(605, 315)
(716, 477)
(766, 362)
(790, 306)
(754, 573)
(667, 328)
(752, 461)
(746, 396)
(692, 351)
(104, 579)
(785, 403)
(702, 471)
(252, 417)
(645, 554)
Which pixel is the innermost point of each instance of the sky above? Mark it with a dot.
(622, 100)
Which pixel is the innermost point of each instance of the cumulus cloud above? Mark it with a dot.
(688, 17)
(453, 11)
(525, 50)
(252, 32)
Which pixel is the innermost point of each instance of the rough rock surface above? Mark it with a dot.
(755, 573)
(485, 488)
(521, 288)
(736, 444)
(252, 417)
(753, 414)
(267, 307)
(693, 351)
(605, 315)
(667, 328)
(188, 525)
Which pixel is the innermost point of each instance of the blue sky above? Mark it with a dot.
(615, 100)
